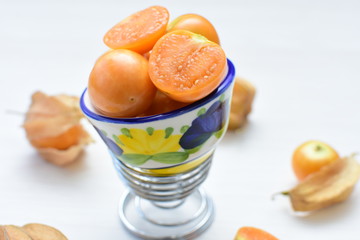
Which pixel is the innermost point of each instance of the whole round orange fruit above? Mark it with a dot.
(119, 84)
(310, 156)
(196, 24)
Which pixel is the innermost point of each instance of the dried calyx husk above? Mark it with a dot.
(11, 232)
(241, 103)
(32, 231)
(53, 127)
(330, 185)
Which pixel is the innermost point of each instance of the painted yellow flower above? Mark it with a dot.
(151, 142)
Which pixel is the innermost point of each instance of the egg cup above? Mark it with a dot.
(163, 159)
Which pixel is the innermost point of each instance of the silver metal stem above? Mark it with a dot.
(163, 188)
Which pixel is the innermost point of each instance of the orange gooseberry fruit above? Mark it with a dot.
(310, 156)
(186, 66)
(140, 31)
(196, 24)
(119, 84)
(252, 233)
(63, 141)
(147, 55)
(163, 104)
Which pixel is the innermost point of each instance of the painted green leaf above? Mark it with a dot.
(126, 132)
(222, 98)
(193, 150)
(135, 159)
(170, 157)
(117, 140)
(201, 111)
(219, 133)
(168, 131)
(150, 130)
(184, 128)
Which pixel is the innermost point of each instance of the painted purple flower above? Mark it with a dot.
(204, 126)
(114, 148)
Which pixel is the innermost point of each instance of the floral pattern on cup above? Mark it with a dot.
(159, 145)
(114, 148)
(136, 146)
(209, 122)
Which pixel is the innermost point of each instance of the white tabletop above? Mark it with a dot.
(303, 57)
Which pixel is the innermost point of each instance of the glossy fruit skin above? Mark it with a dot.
(119, 84)
(186, 66)
(196, 24)
(252, 233)
(63, 141)
(310, 156)
(140, 31)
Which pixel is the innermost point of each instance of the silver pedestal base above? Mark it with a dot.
(183, 219)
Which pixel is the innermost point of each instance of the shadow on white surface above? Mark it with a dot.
(40, 170)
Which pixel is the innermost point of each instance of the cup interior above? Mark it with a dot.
(90, 111)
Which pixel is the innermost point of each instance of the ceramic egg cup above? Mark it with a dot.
(163, 159)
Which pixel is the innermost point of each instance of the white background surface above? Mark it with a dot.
(303, 57)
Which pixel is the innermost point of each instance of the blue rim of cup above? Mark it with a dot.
(217, 92)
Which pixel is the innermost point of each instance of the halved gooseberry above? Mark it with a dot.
(186, 66)
(252, 233)
(196, 24)
(140, 31)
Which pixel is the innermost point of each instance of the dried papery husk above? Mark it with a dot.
(69, 155)
(2, 233)
(241, 103)
(43, 232)
(45, 112)
(53, 127)
(32, 231)
(12, 232)
(330, 185)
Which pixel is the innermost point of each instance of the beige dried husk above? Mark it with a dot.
(11, 232)
(330, 185)
(43, 232)
(241, 103)
(51, 116)
(63, 157)
(32, 231)
(2, 233)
